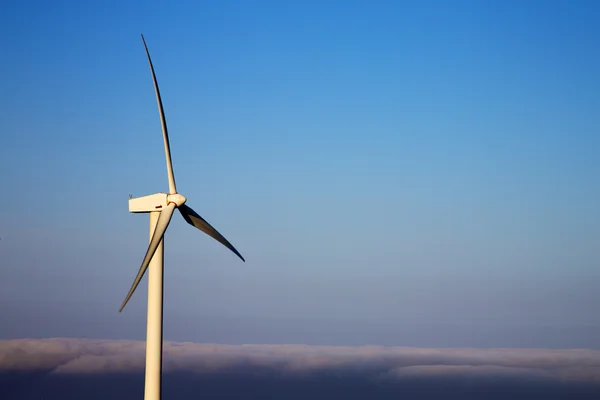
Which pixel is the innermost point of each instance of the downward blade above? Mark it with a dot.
(163, 122)
(197, 221)
(161, 226)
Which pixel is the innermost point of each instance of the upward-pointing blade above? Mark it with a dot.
(163, 122)
(161, 226)
(197, 221)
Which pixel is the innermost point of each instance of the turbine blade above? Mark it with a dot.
(163, 122)
(197, 221)
(161, 226)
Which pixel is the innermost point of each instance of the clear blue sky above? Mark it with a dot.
(381, 164)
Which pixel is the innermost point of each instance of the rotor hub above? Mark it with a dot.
(177, 199)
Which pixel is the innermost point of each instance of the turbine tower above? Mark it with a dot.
(161, 206)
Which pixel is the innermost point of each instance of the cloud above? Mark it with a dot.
(87, 356)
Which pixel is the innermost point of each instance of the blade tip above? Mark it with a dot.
(237, 253)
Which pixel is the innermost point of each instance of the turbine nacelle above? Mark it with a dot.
(155, 202)
(149, 203)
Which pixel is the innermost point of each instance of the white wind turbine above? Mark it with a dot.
(161, 207)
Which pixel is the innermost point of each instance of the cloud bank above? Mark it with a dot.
(379, 365)
(59, 356)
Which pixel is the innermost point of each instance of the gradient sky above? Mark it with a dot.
(413, 173)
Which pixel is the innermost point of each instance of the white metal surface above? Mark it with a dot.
(155, 202)
(154, 329)
(146, 204)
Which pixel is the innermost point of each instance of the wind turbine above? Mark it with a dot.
(161, 206)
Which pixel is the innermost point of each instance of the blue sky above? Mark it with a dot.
(401, 162)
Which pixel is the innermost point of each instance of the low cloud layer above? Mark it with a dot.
(56, 358)
(60, 356)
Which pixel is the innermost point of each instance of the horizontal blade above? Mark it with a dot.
(161, 226)
(163, 122)
(197, 221)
